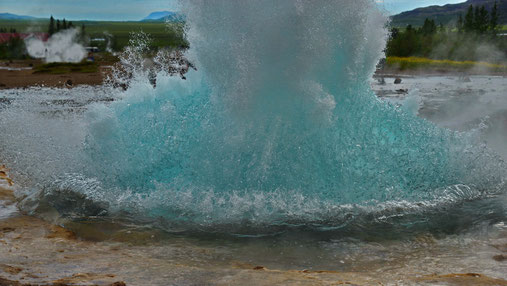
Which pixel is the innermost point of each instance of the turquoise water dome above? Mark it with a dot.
(278, 124)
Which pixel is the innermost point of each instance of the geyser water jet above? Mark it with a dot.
(278, 126)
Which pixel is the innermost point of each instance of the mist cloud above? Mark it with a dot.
(61, 47)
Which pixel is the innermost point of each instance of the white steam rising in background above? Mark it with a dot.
(61, 47)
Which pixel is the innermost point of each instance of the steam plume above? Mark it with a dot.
(61, 47)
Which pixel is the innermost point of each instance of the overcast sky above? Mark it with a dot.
(125, 10)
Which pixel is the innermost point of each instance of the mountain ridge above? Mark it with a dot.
(9, 16)
(446, 14)
(163, 16)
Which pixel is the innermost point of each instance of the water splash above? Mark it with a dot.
(278, 126)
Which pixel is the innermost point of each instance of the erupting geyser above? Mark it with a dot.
(278, 126)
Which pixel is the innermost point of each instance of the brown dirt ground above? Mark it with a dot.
(26, 77)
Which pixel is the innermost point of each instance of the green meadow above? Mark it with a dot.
(162, 34)
(63, 68)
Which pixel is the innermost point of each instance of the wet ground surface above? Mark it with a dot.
(35, 251)
(457, 102)
(91, 253)
(450, 101)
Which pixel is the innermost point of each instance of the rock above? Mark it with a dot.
(500, 257)
(397, 80)
(4, 176)
(7, 229)
(62, 233)
(12, 270)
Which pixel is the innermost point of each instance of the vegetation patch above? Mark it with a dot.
(476, 37)
(117, 34)
(63, 68)
(404, 63)
(14, 49)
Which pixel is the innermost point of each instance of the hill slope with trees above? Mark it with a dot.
(473, 36)
(447, 14)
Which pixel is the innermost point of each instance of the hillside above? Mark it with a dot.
(9, 16)
(163, 16)
(446, 14)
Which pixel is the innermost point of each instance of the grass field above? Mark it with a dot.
(163, 35)
(425, 63)
(63, 68)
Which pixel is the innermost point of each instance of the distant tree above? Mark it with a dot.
(51, 29)
(403, 44)
(482, 21)
(476, 19)
(493, 21)
(71, 25)
(469, 24)
(459, 25)
(64, 24)
(395, 32)
(429, 27)
(82, 33)
(58, 26)
(13, 49)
